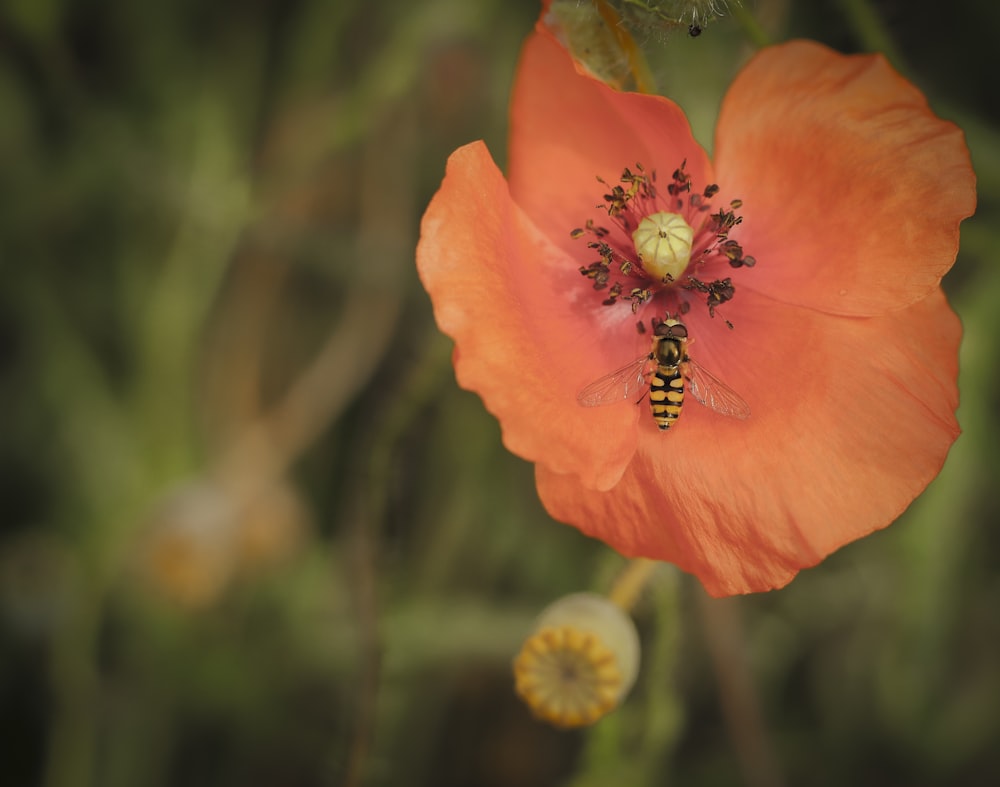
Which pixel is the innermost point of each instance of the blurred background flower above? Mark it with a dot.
(255, 534)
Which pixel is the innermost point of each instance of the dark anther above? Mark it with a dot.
(682, 181)
(598, 273)
(724, 221)
(639, 296)
(732, 251)
(719, 291)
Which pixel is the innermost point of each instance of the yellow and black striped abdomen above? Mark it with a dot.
(666, 394)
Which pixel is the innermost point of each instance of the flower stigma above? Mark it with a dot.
(663, 243)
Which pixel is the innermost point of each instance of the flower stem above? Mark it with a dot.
(628, 586)
(75, 686)
(741, 708)
(871, 33)
(638, 67)
(751, 27)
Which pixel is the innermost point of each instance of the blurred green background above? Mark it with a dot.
(254, 534)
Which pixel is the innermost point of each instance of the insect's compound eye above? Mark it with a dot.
(675, 330)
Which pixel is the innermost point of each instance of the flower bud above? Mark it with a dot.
(585, 33)
(579, 663)
(188, 549)
(647, 15)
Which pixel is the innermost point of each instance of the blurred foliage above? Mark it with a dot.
(255, 534)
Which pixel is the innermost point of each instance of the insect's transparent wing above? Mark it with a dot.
(625, 384)
(713, 393)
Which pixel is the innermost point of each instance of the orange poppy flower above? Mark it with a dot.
(819, 233)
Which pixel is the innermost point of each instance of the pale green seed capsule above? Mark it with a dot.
(663, 243)
(580, 662)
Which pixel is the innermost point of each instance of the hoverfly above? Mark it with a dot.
(661, 372)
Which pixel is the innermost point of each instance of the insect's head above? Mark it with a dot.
(671, 329)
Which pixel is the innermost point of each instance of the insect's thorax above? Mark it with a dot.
(668, 351)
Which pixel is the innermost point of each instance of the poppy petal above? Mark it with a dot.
(568, 128)
(852, 188)
(852, 418)
(499, 288)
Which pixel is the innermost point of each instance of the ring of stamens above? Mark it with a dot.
(662, 242)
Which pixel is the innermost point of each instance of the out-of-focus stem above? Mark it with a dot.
(751, 27)
(724, 639)
(75, 686)
(629, 585)
(870, 32)
(639, 68)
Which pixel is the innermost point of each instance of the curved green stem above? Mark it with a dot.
(73, 675)
(751, 27)
(870, 31)
(639, 68)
